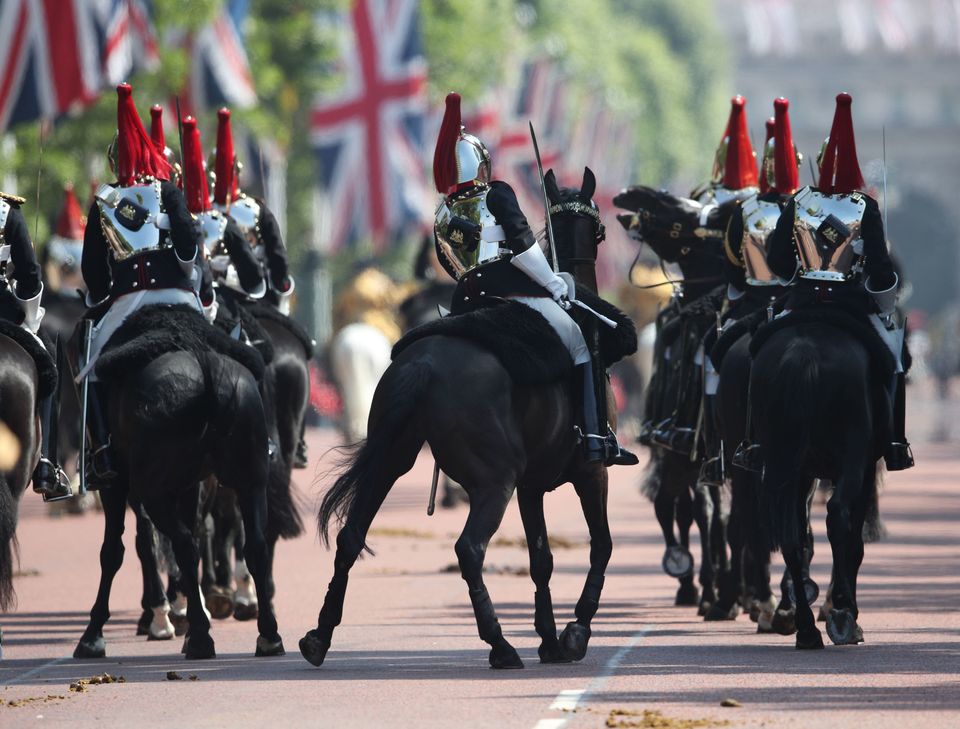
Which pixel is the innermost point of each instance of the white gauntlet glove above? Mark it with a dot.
(533, 263)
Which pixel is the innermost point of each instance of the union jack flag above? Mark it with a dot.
(369, 136)
(57, 55)
(219, 67)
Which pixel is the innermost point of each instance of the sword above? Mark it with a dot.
(183, 172)
(84, 400)
(546, 202)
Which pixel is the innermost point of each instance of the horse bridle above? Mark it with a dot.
(582, 209)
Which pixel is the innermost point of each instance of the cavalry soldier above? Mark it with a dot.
(252, 216)
(511, 264)
(830, 241)
(751, 285)
(20, 291)
(230, 258)
(139, 248)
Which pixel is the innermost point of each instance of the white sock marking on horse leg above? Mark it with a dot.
(569, 699)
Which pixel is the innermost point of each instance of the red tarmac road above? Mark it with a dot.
(408, 654)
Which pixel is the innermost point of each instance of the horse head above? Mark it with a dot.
(577, 227)
(673, 229)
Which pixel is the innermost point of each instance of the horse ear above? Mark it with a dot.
(589, 185)
(550, 182)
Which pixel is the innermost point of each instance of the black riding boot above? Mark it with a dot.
(594, 444)
(712, 470)
(101, 471)
(899, 456)
(49, 480)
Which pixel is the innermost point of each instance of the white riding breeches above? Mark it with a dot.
(122, 308)
(562, 323)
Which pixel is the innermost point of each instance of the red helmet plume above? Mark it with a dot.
(740, 165)
(839, 170)
(156, 127)
(225, 166)
(768, 135)
(70, 220)
(136, 154)
(445, 154)
(195, 181)
(785, 173)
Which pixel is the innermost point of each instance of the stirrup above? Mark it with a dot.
(59, 490)
(711, 472)
(617, 455)
(749, 457)
(102, 472)
(899, 457)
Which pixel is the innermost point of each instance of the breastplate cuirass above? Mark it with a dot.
(466, 232)
(132, 218)
(827, 232)
(759, 219)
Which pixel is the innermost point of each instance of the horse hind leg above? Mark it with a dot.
(808, 636)
(92, 644)
(371, 488)
(846, 511)
(487, 507)
(155, 620)
(541, 569)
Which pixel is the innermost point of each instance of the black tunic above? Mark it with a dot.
(26, 269)
(105, 276)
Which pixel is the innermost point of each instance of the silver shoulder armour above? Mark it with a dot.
(133, 219)
(245, 212)
(466, 232)
(759, 219)
(827, 232)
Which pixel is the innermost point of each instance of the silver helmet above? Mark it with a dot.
(460, 159)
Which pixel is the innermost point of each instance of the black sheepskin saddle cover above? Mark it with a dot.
(42, 356)
(847, 321)
(698, 316)
(615, 344)
(265, 311)
(523, 341)
(747, 324)
(156, 330)
(232, 310)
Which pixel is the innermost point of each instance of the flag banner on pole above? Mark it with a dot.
(369, 134)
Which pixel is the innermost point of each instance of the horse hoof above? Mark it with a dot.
(504, 655)
(677, 561)
(267, 647)
(687, 595)
(220, 603)
(704, 608)
(574, 639)
(143, 624)
(824, 612)
(842, 628)
(755, 610)
(96, 648)
(766, 617)
(551, 652)
(180, 624)
(314, 648)
(199, 647)
(784, 622)
(244, 611)
(718, 613)
(809, 641)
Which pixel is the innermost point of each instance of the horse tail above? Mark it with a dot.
(791, 399)
(396, 400)
(8, 543)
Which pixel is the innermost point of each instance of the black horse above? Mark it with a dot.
(19, 383)
(820, 411)
(494, 437)
(669, 225)
(177, 418)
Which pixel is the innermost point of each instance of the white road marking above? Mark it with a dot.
(569, 699)
(34, 671)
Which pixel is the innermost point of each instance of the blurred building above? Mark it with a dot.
(900, 59)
